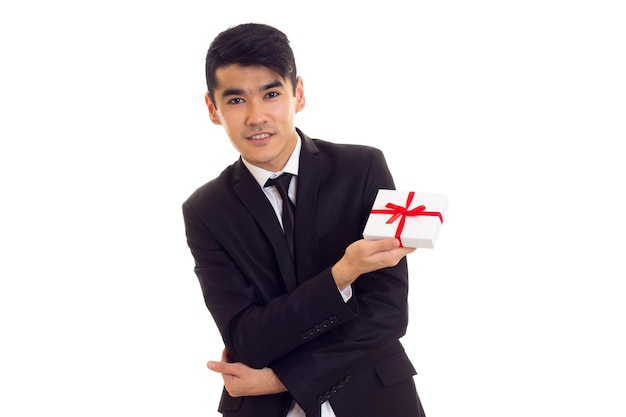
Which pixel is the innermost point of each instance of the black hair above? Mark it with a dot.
(250, 44)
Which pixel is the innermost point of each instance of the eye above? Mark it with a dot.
(272, 94)
(236, 100)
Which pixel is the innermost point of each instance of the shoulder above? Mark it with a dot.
(342, 152)
(218, 187)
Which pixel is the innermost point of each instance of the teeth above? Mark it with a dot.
(262, 136)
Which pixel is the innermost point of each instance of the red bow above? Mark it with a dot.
(399, 211)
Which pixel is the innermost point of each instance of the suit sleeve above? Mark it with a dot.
(315, 370)
(310, 337)
(259, 322)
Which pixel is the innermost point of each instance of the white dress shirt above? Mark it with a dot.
(262, 175)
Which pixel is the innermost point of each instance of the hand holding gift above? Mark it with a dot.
(413, 218)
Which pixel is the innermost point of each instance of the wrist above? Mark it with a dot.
(342, 275)
(276, 384)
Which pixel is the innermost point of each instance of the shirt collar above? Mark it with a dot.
(292, 166)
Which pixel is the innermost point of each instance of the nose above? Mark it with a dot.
(257, 114)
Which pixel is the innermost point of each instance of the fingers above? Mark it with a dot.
(373, 246)
(389, 245)
(386, 251)
(382, 254)
(227, 364)
(363, 256)
(223, 368)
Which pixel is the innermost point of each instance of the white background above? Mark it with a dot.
(516, 110)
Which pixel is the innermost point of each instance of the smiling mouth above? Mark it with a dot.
(260, 136)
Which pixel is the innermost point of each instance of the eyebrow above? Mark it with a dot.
(239, 91)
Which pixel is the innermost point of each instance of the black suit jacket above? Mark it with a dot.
(294, 320)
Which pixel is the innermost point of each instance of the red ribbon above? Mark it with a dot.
(402, 212)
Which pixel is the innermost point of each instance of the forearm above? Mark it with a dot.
(327, 360)
(312, 309)
(241, 380)
(287, 322)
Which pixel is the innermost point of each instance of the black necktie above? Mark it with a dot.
(282, 185)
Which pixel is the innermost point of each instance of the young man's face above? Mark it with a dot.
(257, 108)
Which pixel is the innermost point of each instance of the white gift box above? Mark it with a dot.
(414, 218)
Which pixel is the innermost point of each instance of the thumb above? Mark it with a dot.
(213, 365)
(222, 367)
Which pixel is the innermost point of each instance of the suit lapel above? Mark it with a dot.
(247, 190)
(311, 169)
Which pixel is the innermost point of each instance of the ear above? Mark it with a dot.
(212, 110)
(300, 100)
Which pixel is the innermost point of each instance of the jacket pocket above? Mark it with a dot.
(395, 369)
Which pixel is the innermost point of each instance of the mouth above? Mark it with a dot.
(260, 136)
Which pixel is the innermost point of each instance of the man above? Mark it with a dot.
(310, 328)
